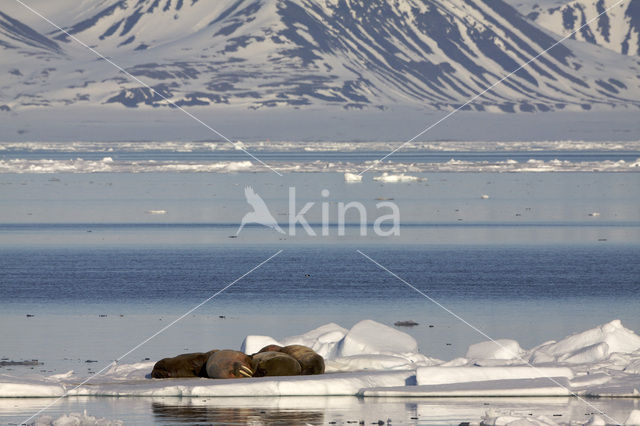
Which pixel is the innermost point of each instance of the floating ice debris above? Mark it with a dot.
(484, 196)
(352, 177)
(397, 178)
(74, 419)
(156, 212)
(594, 214)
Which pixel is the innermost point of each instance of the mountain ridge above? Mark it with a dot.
(303, 53)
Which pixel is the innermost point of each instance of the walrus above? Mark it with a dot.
(270, 348)
(185, 365)
(271, 363)
(309, 360)
(228, 364)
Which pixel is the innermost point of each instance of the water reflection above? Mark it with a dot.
(194, 413)
(345, 410)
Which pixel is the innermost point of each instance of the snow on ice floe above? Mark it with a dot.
(372, 359)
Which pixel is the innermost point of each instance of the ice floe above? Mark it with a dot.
(396, 178)
(75, 419)
(392, 171)
(373, 359)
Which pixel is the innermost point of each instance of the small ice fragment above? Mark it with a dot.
(389, 178)
(594, 214)
(484, 196)
(352, 177)
(156, 212)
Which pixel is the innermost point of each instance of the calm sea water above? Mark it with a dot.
(97, 274)
(528, 293)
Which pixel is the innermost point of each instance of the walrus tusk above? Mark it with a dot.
(245, 371)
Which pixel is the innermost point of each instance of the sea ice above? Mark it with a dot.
(373, 359)
(495, 349)
(352, 177)
(396, 178)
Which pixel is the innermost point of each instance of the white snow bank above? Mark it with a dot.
(370, 337)
(443, 375)
(496, 349)
(319, 385)
(589, 346)
(76, 419)
(324, 339)
(252, 344)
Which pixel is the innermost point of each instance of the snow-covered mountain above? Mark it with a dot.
(299, 53)
(614, 26)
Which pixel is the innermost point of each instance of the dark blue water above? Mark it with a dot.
(529, 293)
(331, 274)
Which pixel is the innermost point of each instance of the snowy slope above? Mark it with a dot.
(617, 29)
(266, 53)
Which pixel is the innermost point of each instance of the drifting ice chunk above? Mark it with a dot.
(484, 196)
(585, 346)
(352, 177)
(370, 337)
(386, 177)
(156, 212)
(497, 349)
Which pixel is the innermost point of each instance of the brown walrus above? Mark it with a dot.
(310, 361)
(273, 363)
(186, 365)
(228, 364)
(270, 348)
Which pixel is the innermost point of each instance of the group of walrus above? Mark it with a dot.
(272, 360)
